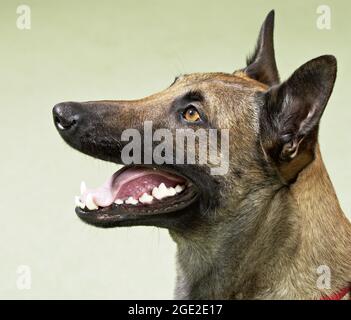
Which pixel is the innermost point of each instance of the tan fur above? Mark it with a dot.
(266, 238)
(317, 232)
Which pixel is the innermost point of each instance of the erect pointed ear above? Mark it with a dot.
(291, 113)
(261, 65)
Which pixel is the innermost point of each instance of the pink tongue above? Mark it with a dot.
(132, 182)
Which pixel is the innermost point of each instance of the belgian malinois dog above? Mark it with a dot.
(270, 227)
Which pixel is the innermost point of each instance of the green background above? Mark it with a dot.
(87, 50)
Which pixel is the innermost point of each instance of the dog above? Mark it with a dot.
(271, 227)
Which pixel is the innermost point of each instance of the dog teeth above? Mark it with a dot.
(155, 193)
(162, 191)
(146, 198)
(78, 202)
(179, 188)
(83, 187)
(171, 192)
(132, 201)
(90, 202)
(158, 193)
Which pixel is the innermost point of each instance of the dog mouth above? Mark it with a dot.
(135, 192)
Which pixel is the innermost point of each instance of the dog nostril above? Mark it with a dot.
(64, 124)
(63, 118)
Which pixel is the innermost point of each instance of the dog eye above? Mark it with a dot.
(191, 114)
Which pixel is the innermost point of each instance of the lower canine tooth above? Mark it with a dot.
(90, 202)
(132, 201)
(79, 203)
(146, 198)
(119, 201)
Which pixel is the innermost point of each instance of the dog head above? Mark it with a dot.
(263, 132)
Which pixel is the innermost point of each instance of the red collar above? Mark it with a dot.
(339, 295)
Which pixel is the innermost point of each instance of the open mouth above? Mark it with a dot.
(135, 192)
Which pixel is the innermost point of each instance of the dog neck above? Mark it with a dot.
(287, 246)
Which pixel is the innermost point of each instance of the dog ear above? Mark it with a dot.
(291, 113)
(261, 65)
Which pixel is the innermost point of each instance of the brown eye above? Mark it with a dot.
(190, 114)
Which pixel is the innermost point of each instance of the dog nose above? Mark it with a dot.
(65, 115)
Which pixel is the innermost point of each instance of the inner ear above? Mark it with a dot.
(291, 114)
(261, 65)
